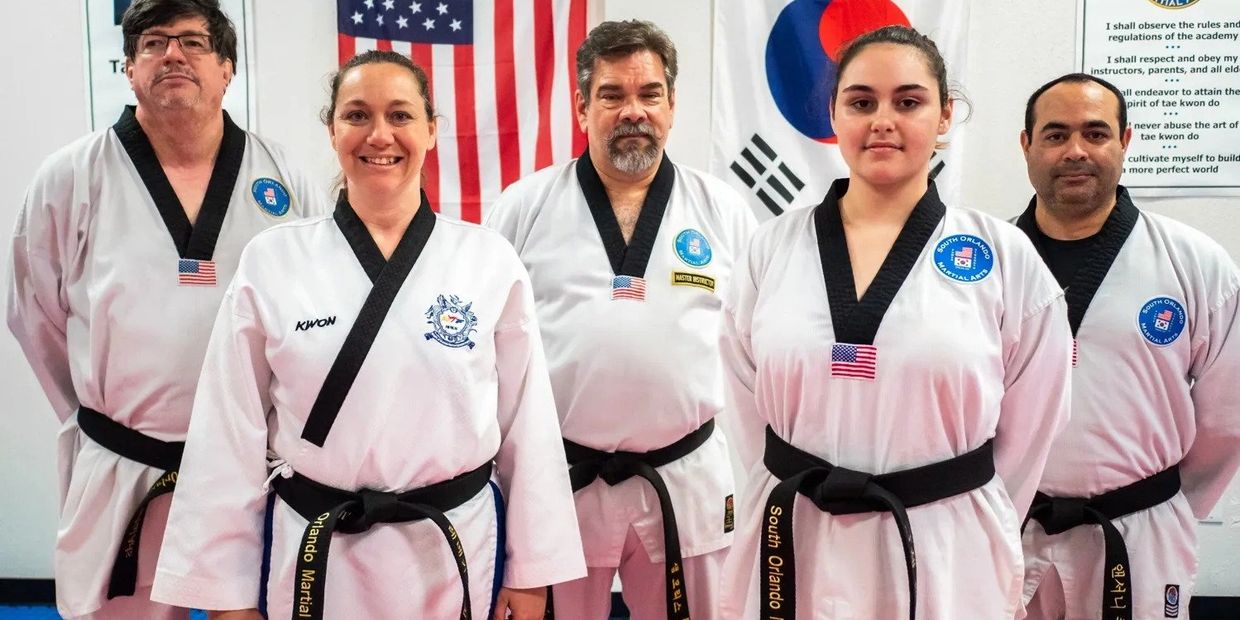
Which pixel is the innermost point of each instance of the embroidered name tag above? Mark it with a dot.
(682, 278)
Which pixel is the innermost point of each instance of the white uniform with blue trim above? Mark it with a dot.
(636, 375)
(95, 302)
(419, 412)
(1156, 385)
(958, 362)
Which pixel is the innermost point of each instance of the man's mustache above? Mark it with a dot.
(625, 130)
(169, 74)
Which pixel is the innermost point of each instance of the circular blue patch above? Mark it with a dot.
(964, 258)
(693, 248)
(271, 196)
(1162, 320)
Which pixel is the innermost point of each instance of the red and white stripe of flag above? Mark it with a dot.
(506, 101)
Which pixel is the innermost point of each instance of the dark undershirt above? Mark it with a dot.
(1065, 257)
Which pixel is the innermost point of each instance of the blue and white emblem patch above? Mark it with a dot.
(452, 322)
(271, 196)
(964, 258)
(693, 248)
(1171, 601)
(1162, 320)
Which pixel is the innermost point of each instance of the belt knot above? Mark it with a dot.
(376, 507)
(840, 485)
(1065, 513)
(617, 468)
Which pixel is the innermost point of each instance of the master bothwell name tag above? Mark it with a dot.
(681, 278)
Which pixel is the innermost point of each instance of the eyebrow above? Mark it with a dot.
(617, 87)
(364, 103)
(166, 32)
(903, 88)
(1057, 126)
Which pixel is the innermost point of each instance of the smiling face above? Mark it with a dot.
(1076, 153)
(380, 130)
(887, 116)
(629, 112)
(174, 80)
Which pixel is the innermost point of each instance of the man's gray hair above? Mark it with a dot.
(621, 38)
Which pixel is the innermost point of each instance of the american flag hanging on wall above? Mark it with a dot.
(502, 77)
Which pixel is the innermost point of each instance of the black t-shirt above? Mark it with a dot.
(1065, 257)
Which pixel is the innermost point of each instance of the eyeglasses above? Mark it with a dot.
(151, 44)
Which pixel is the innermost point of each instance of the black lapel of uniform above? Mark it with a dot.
(1088, 278)
(630, 260)
(197, 242)
(354, 231)
(857, 322)
(387, 280)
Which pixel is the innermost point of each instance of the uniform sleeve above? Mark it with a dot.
(742, 421)
(212, 549)
(543, 540)
(44, 245)
(504, 216)
(1037, 395)
(1214, 457)
(310, 197)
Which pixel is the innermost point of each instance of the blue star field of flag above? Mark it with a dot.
(448, 22)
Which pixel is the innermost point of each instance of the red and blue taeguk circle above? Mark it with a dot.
(802, 50)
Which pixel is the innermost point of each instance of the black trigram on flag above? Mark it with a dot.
(936, 164)
(759, 168)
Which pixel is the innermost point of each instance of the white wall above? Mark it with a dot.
(1014, 46)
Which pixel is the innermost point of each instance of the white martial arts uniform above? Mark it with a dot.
(96, 304)
(1140, 406)
(424, 408)
(958, 363)
(636, 375)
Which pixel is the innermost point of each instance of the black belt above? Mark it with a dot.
(587, 464)
(842, 491)
(1060, 514)
(334, 510)
(135, 446)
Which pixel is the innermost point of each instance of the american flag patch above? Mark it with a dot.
(192, 272)
(854, 361)
(628, 287)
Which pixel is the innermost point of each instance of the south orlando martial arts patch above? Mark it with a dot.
(729, 515)
(1171, 601)
(693, 248)
(684, 278)
(271, 197)
(1162, 320)
(452, 322)
(964, 258)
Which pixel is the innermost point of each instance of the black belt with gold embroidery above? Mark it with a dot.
(1060, 514)
(133, 445)
(331, 510)
(588, 464)
(842, 491)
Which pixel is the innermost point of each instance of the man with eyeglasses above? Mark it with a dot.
(122, 252)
